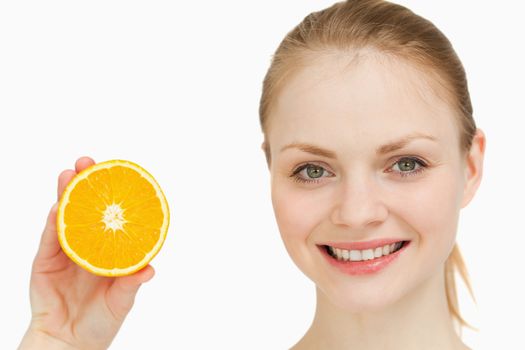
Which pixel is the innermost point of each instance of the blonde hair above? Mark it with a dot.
(393, 30)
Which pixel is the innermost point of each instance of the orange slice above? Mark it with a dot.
(112, 218)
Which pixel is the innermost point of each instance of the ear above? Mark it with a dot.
(474, 167)
(266, 152)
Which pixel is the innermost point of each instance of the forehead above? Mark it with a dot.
(358, 100)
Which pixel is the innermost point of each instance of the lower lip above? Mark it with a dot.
(363, 267)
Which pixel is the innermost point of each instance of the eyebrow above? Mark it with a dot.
(381, 150)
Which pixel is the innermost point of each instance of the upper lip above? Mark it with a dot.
(376, 243)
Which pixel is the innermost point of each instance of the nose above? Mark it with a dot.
(359, 203)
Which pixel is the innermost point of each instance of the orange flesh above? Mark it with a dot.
(135, 219)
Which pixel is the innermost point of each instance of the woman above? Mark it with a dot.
(372, 152)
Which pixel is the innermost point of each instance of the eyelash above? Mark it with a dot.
(403, 174)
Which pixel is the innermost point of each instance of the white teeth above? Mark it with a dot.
(355, 255)
(346, 254)
(362, 255)
(368, 254)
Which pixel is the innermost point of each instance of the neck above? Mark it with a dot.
(419, 320)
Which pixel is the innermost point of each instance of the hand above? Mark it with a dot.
(71, 307)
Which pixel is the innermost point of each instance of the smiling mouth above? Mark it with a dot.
(365, 254)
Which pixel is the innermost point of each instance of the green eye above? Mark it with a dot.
(312, 174)
(314, 171)
(409, 166)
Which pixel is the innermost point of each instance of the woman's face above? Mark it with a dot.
(345, 121)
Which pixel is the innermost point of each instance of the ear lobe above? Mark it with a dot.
(474, 167)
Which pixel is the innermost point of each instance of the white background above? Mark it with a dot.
(174, 87)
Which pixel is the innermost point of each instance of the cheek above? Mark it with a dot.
(297, 213)
(432, 210)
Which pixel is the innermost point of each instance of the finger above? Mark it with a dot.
(130, 284)
(121, 295)
(63, 179)
(82, 163)
(49, 246)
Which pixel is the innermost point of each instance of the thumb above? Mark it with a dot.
(121, 295)
(49, 246)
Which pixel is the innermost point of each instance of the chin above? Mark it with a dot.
(359, 300)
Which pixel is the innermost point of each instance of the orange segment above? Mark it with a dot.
(112, 218)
